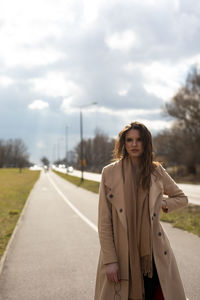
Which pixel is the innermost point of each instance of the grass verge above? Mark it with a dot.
(89, 185)
(187, 218)
(15, 188)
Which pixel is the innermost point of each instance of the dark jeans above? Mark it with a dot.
(151, 284)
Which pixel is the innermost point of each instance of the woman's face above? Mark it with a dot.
(134, 144)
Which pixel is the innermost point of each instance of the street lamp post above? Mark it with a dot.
(54, 154)
(58, 147)
(58, 150)
(81, 137)
(66, 145)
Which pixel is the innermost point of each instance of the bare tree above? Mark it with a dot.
(45, 161)
(185, 105)
(97, 152)
(169, 145)
(13, 153)
(2, 153)
(180, 144)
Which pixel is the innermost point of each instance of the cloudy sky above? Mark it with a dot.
(129, 56)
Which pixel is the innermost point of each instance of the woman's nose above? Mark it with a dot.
(134, 142)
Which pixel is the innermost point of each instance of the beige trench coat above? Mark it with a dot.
(112, 228)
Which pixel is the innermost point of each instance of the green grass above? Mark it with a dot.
(187, 218)
(14, 190)
(89, 185)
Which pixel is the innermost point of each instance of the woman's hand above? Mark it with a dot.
(164, 206)
(112, 272)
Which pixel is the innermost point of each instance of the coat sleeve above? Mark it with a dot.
(176, 198)
(105, 226)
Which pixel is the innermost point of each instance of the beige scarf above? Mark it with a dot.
(139, 230)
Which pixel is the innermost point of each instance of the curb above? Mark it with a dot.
(3, 258)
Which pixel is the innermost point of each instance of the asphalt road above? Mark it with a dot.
(54, 253)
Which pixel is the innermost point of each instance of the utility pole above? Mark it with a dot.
(66, 145)
(81, 136)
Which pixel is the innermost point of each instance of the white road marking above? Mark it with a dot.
(84, 218)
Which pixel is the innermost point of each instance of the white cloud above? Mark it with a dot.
(145, 116)
(90, 13)
(123, 92)
(129, 67)
(46, 10)
(123, 41)
(161, 90)
(67, 105)
(38, 104)
(16, 55)
(163, 79)
(156, 125)
(5, 81)
(25, 27)
(173, 4)
(128, 112)
(40, 145)
(26, 33)
(55, 84)
(116, 51)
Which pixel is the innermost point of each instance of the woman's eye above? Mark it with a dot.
(139, 139)
(129, 140)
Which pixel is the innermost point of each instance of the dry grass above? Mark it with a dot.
(15, 188)
(187, 218)
(89, 185)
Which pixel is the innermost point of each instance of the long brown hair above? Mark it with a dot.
(147, 164)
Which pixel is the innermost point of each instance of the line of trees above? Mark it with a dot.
(97, 152)
(180, 145)
(45, 161)
(13, 154)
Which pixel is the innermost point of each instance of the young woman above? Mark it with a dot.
(136, 261)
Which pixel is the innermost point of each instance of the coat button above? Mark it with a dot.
(165, 252)
(154, 215)
(159, 233)
(121, 210)
(111, 195)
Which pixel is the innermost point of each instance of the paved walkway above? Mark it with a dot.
(54, 253)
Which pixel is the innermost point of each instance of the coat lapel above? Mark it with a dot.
(117, 191)
(155, 191)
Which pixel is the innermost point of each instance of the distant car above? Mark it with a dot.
(70, 169)
(46, 168)
(61, 166)
(35, 168)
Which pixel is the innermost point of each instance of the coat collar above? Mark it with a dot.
(155, 190)
(116, 187)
